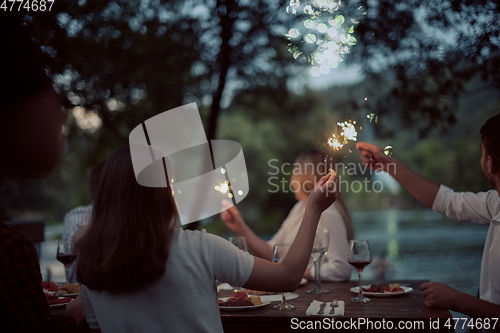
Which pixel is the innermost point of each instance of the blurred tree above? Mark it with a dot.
(419, 55)
(116, 63)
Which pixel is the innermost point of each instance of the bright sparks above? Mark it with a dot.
(347, 133)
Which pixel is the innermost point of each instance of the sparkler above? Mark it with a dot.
(347, 133)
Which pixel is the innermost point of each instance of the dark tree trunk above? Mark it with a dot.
(225, 7)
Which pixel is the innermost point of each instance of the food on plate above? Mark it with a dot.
(384, 288)
(70, 288)
(259, 293)
(49, 286)
(53, 299)
(241, 299)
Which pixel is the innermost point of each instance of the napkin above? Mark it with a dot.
(313, 309)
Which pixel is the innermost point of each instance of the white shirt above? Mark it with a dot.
(334, 266)
(484, 208)
(184, 299)
(73, 221)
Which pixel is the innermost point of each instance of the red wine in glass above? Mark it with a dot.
(66, 253)
(360, 256)
(66, 259)
(360, 264)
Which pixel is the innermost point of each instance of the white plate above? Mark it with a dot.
(277, 297)
(62, 295)
(239, 308)
(69, 295)
(406, 290)
(303, 281)
(59, 304)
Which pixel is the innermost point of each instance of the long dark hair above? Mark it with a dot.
(127, 244)
(490, 137)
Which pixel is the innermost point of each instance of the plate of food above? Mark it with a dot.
(57, 301)
(277, 297)
(241, 301)
(383, 290)
(68, 290)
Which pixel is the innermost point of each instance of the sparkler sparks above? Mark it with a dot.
(222, 187)
(347, 133)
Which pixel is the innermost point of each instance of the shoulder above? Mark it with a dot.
(298, 209)
(332, 213)
(81, 210)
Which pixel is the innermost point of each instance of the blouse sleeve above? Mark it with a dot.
(467, 206)
(229, 264)
(89, 310)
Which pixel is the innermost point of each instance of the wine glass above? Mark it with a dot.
(360, 256)
(241, 244)
(66, 253)
(279, 252)
(319, 250)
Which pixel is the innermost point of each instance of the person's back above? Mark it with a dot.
(183, 299)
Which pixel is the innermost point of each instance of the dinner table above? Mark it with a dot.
(403, 312)
(394, 313)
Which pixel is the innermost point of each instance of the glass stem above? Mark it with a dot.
(283, 298)
(360, 294)
(317, 274)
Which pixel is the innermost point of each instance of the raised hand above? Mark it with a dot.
(232, 217)
(373, 156)
(324, 193)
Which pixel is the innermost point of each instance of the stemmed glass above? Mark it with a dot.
(320, 248)
(360, 256)
(241, 244)
(66, 253)
(279, 252)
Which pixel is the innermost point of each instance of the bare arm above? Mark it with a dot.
(286, 275)
(235, 222)
(422, 188)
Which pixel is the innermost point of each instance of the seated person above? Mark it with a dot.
(140, 273)
(481, 207)
(335, 266)
(30, 146)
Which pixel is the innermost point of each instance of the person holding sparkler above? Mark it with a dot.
(483, 207)
(308, 168)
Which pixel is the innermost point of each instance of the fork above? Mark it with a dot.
(334, 303)
(322, 308)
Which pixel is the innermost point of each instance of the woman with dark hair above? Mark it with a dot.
(141, 274)
(306, 172)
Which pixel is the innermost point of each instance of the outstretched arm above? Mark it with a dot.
(286, 275)
(234, 221)
(420, 187)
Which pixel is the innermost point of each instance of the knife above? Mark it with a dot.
(321, 309)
